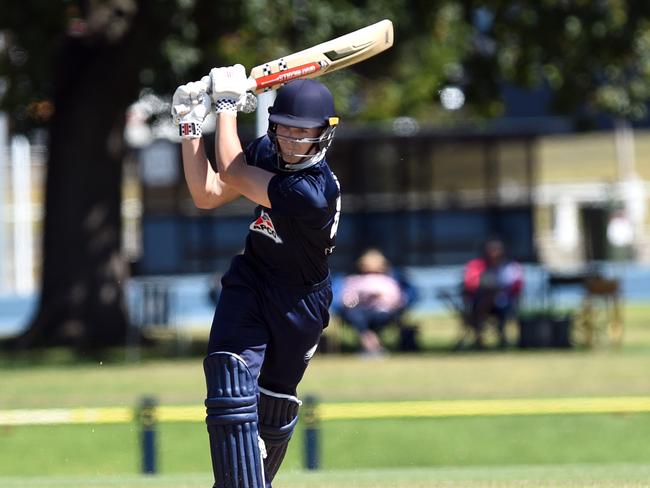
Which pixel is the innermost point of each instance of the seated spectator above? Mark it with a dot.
(372, 299)
(492, 285)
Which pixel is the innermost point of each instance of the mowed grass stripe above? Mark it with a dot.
(350, 411)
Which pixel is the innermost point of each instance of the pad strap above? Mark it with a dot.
(231, 407)
(278, 416)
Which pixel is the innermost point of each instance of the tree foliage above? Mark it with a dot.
(593, 56)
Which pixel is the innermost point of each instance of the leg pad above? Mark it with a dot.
(231, 407)
(278, 416)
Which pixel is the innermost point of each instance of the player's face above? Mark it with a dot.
(291, 146)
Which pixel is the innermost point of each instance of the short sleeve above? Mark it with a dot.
(296, 195)
(251, 152)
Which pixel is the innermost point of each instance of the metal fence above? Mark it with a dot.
(22, 172)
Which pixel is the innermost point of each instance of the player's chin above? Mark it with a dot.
(290, 159)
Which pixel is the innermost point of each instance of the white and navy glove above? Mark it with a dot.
(190, 106)
(229, 90)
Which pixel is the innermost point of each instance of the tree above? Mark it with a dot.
(96, 57)
(593, 56)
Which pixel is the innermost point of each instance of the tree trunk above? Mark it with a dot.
(82, 295)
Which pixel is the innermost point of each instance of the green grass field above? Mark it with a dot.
(525, 450)
(563, 476)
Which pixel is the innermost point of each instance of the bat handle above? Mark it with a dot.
(251, 84)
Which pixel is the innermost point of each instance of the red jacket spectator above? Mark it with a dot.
(508, 276)
(492, 285)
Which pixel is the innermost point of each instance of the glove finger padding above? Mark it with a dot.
(190, 106)
(190, 98)
(229, 83)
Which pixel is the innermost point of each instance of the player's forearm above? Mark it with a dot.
(204, 185)
(249, 181)
(228, 149)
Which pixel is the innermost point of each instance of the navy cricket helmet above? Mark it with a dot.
(306, 104)
(303, 103)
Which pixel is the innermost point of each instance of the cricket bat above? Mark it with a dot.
(323, 58)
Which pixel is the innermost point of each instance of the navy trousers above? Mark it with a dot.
(274, 327)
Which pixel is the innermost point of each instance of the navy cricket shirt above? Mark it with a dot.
(292, 240)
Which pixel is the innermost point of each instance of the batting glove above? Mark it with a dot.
(190, 106)
(229, 90)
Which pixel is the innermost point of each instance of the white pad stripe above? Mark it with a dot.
(230, 354)
(291, 398)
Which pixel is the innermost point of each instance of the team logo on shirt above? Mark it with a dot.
(264, 225)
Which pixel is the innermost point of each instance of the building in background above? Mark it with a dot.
(592, 200)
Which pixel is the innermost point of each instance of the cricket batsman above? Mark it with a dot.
(275, 297)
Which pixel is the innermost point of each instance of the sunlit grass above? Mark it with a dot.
(560, 476)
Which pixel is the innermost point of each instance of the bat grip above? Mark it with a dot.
(251, 84)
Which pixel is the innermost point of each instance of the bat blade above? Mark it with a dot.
(323, 58)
